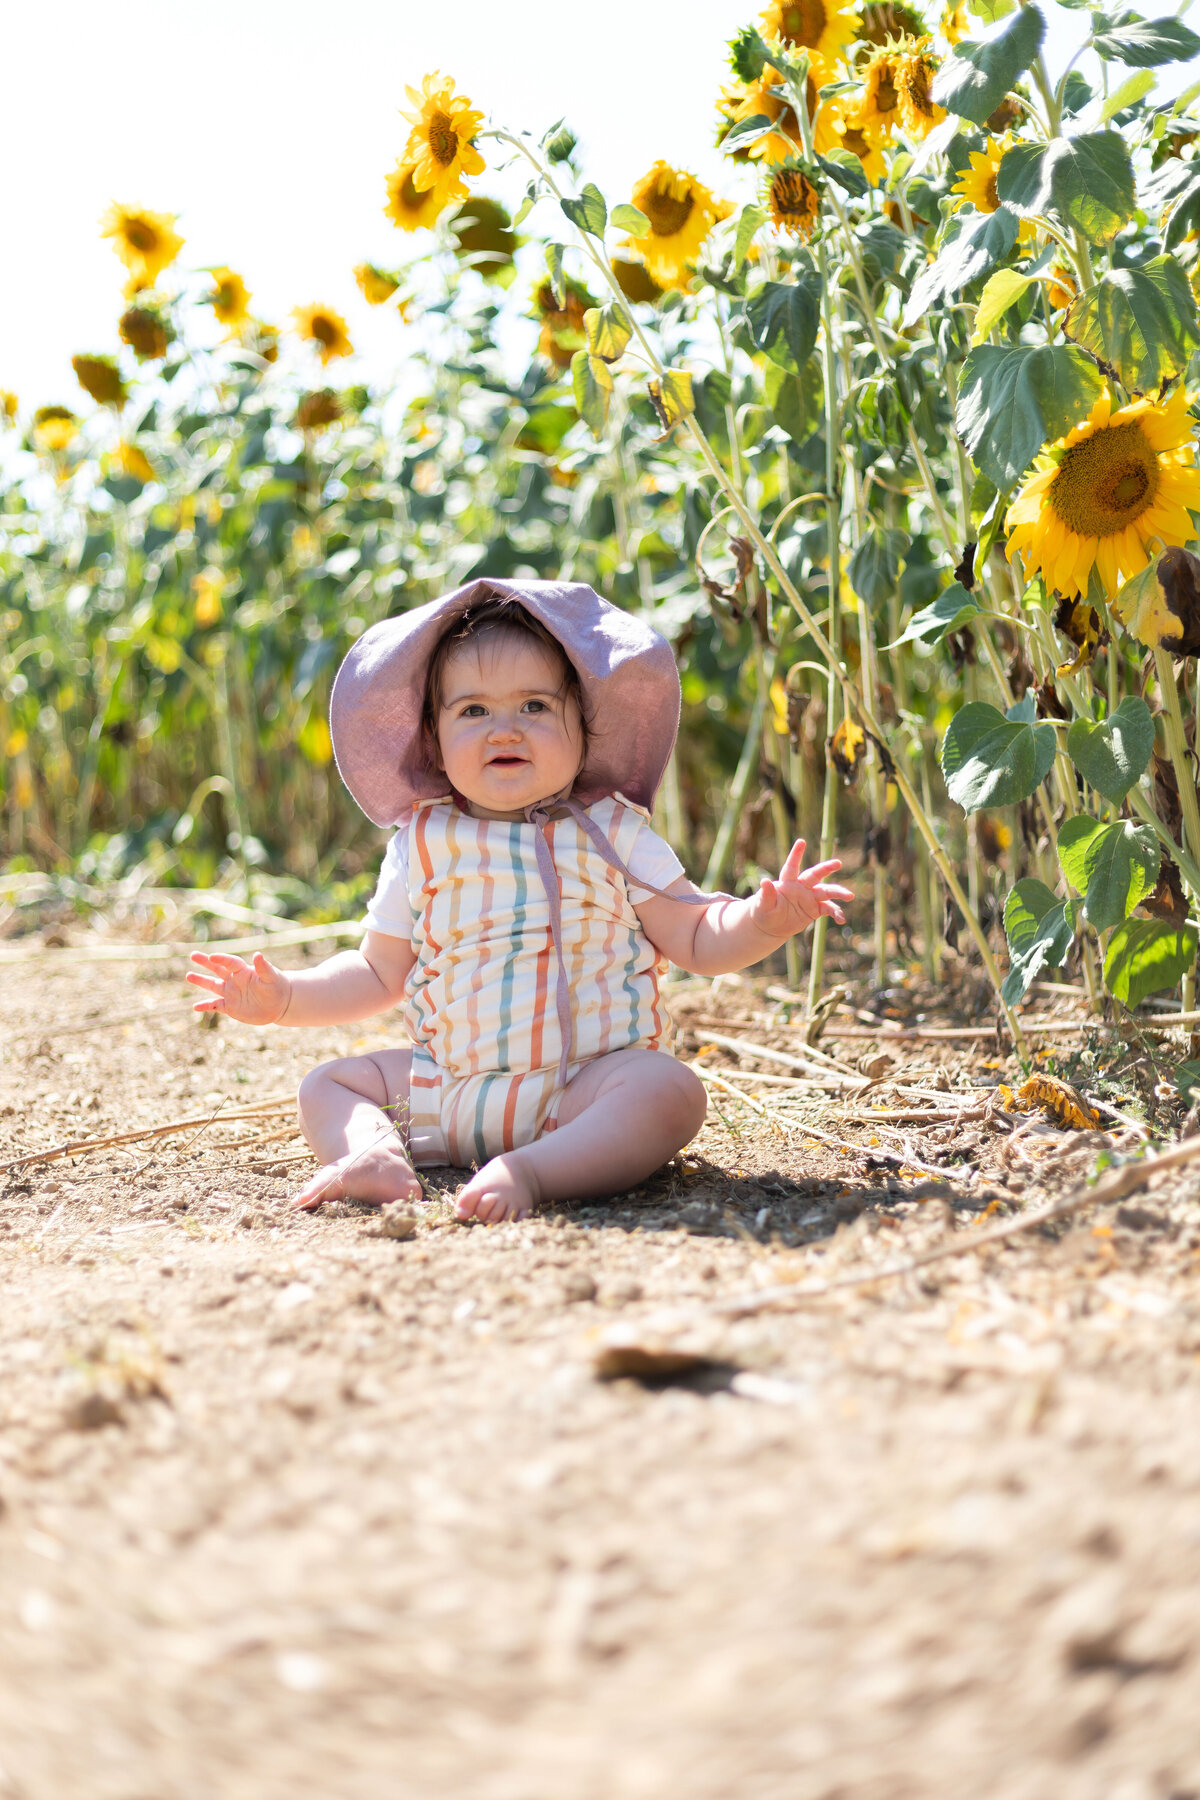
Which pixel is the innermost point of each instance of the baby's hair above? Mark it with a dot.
(497, 615)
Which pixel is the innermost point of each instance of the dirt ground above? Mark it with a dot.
(288, 1507)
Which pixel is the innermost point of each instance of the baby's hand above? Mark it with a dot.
(256, 993)
(786, 906)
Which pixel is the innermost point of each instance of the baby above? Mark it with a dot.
(514, 734)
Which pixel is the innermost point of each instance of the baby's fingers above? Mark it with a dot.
(834, 890)
(819, 870)
(213, 983)
(222, 963)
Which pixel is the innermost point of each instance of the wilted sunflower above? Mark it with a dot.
(764, 98)
(145, 241)
(682, 212)
(824, 26)
(887, 22)
(914, 81)
(375, 285)
(440, 148)
(318, 409)
(794, 200)
(562, 332)
(146, 331)
(53, 427)
(485, 237)
(411, 208)
(1101, 495)
(321, 326)
(8, 407)
(100, 377)
(229, 298)
(879, 110)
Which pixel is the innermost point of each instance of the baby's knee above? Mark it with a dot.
(318, 1082)
(686, 1100)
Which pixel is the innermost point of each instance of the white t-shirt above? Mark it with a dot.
(390, 911)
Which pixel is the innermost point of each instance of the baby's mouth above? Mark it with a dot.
(506, 762)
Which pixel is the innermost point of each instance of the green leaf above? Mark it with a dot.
(1144, 43)
(875, 566)
(749, 221)
(990, 760)
(980, 242)
(1011, 402)
(745, 132)
(629, 218)
(593, 384)
(1143, 322)
(843, 167)
(1086, 181)
(1128, 94)
(1113, 755)
(671, 397)
(554, 268)
(588, 212)
(952, 608)
(999, 292)
(796, 402)
(1173, 195)
(975, 77)
(1112, 866)
(1039, 928)
(748, 54)
(608, 331)
(783, 319)
(1145, 956)
(1187, 1080)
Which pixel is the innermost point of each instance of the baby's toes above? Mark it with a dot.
(324, 1185)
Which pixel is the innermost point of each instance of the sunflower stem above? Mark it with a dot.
(833, 533)
(1178, 746)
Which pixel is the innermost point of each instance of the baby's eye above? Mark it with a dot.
(473, 710)
(536, 706)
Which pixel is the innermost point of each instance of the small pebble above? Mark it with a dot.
(577, 1284)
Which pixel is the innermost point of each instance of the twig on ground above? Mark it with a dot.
(814, 1072)
(84, 1146)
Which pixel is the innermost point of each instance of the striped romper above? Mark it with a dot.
(480, 1002)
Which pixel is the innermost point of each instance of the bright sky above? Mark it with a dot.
(269, 127)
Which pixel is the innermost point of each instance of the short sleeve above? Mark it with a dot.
(652, 864)
(390, 910)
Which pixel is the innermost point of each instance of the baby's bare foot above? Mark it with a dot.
(503, 1189)
(380, 1174)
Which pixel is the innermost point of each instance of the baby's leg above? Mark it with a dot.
(349, 1112)
(623, 1116)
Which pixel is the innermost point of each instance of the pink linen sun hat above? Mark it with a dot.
(626, 671)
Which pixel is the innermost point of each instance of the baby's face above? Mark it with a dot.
(507, 733)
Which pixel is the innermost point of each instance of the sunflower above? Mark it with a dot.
(1061, 288)
(794, 201)
(145, 241)
(879, 111)
(263, 339)
(440, 148)
(887, 21)
(229, 298)
(375, 285)
(635, 280)
(762, 99)
(1105, 493)
(53, 427)
(318, 409)
(955, 24)
(129, 461)
(682, 212)
(849, 135)
(914, 80)
(976, 186)
(146, 331)
(562, 332)
(100, 377)
(321, 326)
(8, 407)
(823, 26)
(410, 207)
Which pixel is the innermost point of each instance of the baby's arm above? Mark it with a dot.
(355, 984)
(731, 934)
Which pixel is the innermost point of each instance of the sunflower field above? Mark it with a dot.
(894, 439)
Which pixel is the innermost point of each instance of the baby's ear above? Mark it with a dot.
(433, 753)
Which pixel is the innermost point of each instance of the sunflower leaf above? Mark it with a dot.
(989, 760)
(749, 54)
(974, 79)
(1161, 604)
(749, 220)
(588, 213)
(1113, 866)
(1113, 756)
(1039, 928)
(1128, 94)
(952, 609)
(1173, 194)
(843, 167)
(1142, 322)
(783, 319)
(593, 384)
(1086, 181)
(999, 292)
(1145, 956)
(608, 331)
(745, 133)
(1143, 43)
(671, 397)
(1011, 402)
(875, 566)
(631, 219)
(980, 242)
(554, 268)
(795, 401)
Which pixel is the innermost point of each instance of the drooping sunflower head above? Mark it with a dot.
(321, 326)
(8, 407)
(485, 237)
(100, 377)
(562, 332)
(147, 331)
(879, 110)
(1103, 495)
(375, 285)
(229, 298)
(823, 26)
(1009, 111)
(914, 82)
(765, 98)
(411, 207)
(888, 22)
(53, 427)
(976, 186)
(794, 200)
(440, 147)
(146, 242)
(318, 409)
(682, 212)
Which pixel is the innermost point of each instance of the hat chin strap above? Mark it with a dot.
(539, 816)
